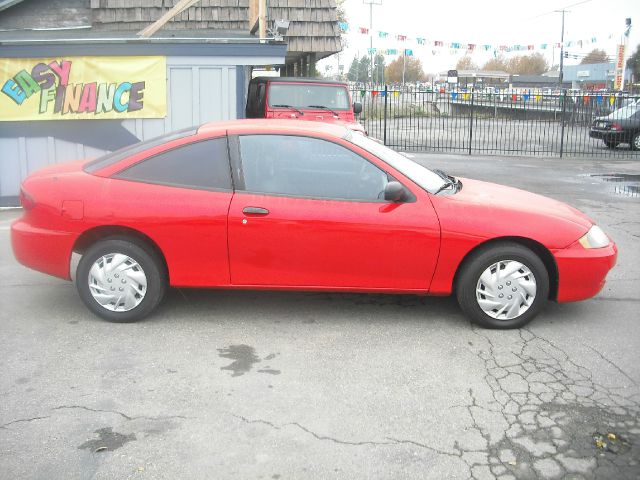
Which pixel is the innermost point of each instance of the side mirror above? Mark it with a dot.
(395, 192)
(357, 108)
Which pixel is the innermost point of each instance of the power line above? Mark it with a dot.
(560, 9)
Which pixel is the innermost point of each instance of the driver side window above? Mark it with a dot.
(308, 167)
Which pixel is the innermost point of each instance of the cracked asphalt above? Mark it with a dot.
(260, 385)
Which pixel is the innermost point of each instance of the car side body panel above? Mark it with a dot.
(483, 211)
(332, 243)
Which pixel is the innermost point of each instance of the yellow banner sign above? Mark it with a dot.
(77, 88)
(618, 79)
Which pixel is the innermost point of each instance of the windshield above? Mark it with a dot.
(624, 112)
(303, 95)
(422, 176)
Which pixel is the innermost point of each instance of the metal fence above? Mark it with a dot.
(522, 123)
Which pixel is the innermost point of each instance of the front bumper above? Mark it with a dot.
(582, 272)
(608, 135)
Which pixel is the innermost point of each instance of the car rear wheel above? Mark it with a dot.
(503, 286)
(635, 142)
(611, 144)
(120, 281)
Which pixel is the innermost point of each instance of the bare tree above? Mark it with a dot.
(465, 63)
(498, 63)
(412, 70)
(534, 64)
(595, 56)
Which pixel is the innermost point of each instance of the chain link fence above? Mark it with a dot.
(523, 123)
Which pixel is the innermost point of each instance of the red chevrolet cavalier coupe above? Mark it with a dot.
(267, 204)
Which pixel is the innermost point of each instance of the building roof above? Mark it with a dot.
(538, 79)
(496, 74)
(296, 80)
(313, 24)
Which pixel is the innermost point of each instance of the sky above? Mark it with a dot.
(486, 22)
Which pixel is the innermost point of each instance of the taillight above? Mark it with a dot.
(26, 200)
(616, 126)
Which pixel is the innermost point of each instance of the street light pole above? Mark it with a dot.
(371, 3)
(404, 65)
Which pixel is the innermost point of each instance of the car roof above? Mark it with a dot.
(270, 125)
(297, 80)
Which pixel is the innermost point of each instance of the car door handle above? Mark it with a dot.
(255, 211)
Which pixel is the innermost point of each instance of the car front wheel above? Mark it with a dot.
(635, 142)
(503, 286)
(120, 281)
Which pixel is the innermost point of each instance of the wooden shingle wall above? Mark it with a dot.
(313, 23)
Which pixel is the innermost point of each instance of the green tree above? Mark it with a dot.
(413, 70)
(352, 74)
(595, 56)
(363, 69)
(378, 69)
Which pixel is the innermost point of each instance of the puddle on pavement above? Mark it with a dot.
(626, 184)
(243, 356)
(108, 441)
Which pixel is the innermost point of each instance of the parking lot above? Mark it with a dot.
(495, 136)
(259, 385)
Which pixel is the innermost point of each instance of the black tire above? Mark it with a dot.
(147, 259)
(474, 266)
(611, 143)
(635, 142)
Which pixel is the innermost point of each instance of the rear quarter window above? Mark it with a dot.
(201, 165)
(114, 157)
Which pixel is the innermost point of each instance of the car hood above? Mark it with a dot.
(489, 210)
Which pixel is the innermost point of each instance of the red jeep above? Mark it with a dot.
(302, 98)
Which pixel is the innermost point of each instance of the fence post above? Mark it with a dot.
(564, 109)
(471, 121)
(386, 94)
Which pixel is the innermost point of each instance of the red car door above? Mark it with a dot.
(308, 213)
(180, 199)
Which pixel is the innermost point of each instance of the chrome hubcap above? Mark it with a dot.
(506, 290)
(117, 282)
(636, 141)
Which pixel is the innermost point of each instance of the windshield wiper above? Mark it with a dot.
(289, 106)
(450, 181)
(335, 114)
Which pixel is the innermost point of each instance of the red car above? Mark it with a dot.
(268, 204)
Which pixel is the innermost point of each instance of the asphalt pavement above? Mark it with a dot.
(260, 385)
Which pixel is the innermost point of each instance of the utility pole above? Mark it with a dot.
(561, 74)
(371, 4)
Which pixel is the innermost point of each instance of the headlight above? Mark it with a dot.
(595, 238)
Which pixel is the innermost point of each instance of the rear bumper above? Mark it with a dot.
(47, 251)
(582, 272)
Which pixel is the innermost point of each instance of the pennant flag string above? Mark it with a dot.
(472, 47)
